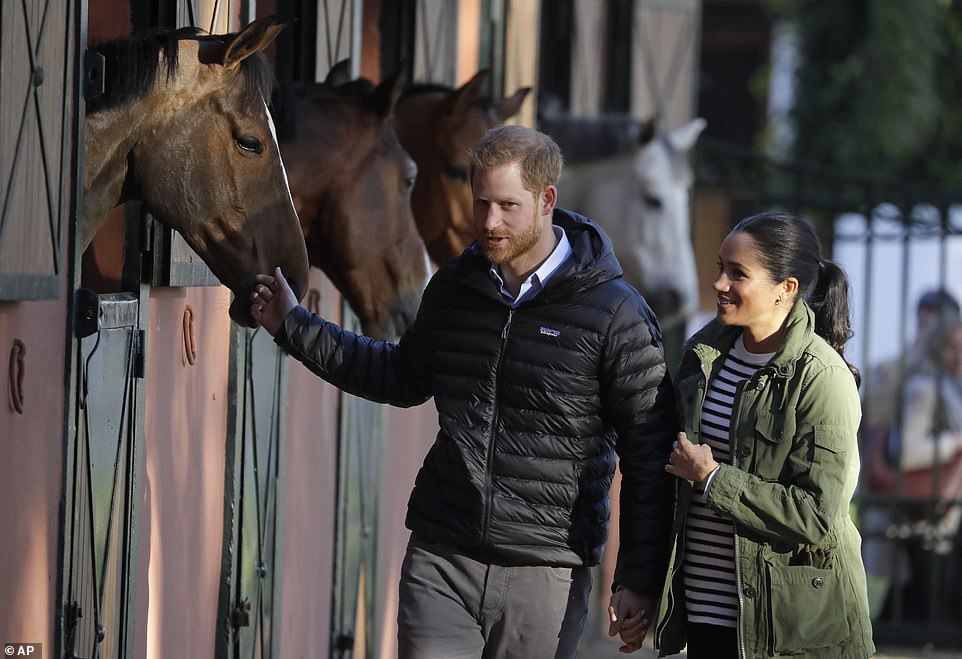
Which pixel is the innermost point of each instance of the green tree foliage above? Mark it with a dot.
(872, 84)
(941, 159)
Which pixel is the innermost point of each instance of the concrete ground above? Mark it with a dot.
(601, 647)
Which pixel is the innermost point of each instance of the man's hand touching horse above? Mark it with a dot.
(271, 300)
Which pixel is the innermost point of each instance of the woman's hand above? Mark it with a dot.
(693, 462)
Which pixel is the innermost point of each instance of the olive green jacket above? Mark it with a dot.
(801, 584)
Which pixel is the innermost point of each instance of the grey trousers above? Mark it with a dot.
(453, 607)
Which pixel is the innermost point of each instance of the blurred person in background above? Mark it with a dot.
(885, 565)
(927, 451)
(884, 381)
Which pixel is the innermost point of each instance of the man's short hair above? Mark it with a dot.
(538, 156)
(940, 336)
(940, 302)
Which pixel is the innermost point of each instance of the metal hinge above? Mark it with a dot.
(240, 616)
(139, 355)
(86, 314)
(95, 312)
(73, 614)
(344, 641)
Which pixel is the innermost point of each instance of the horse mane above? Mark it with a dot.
(132, 64)
(287, 94)
(591, 138)
(485, 103)
(611, 135)
(419, 88)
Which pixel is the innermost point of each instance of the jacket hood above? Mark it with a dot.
(592, 259)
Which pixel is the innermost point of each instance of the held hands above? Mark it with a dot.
(693, 462)
(629, 615)
(271, 300)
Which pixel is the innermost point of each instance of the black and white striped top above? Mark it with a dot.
(709, 568)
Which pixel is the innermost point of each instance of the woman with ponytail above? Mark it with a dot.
(766, 558)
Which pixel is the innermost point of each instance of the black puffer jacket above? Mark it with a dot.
(532, 403)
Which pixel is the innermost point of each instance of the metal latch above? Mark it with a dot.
(240, 616)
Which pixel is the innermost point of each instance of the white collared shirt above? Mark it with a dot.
(534, 284)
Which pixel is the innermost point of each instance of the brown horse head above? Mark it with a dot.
(437, 125)
(351, 183)
(195, 143)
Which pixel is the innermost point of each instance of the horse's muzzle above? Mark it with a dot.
(240, 311)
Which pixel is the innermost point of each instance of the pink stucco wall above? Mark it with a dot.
(185, 427)
(31, 471)
(307, 499)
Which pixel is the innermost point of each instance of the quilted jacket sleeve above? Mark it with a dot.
(640, 406)
(381, 371)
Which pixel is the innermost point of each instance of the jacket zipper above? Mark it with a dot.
(494, 431)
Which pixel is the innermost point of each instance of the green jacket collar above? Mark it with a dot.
(715, 340)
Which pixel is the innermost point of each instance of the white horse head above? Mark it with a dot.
(640, 197)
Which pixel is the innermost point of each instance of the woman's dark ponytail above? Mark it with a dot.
(829, 301)
(788, 247)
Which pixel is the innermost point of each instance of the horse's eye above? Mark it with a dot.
(459, 172)
(251, 144)
(410, 174)
(651, 201)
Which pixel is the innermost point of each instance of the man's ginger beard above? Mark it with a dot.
(517, 243)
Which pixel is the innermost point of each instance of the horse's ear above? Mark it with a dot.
(386, 95)
(684, 138)
(339, 74)
(508, 107)
(464, 97)
(647, 129)
(252, 39)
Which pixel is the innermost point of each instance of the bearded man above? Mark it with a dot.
(544, 365)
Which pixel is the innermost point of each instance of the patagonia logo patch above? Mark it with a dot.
(547, 331)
